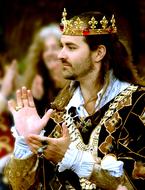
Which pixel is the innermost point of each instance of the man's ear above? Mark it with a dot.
(99, 53)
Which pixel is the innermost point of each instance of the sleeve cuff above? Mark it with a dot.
(81, 162)
(114, 166)
(21, 149)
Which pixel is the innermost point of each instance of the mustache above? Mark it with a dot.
(65, 62)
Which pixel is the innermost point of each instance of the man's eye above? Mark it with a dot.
(71, 47)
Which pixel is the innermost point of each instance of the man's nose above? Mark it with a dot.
(62, 54)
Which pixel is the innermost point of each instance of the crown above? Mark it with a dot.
(76, 27)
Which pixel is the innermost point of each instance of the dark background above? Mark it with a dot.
(20, 18)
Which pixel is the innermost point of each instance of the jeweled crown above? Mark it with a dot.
(76, 27)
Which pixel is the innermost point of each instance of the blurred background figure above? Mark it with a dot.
(43, 68)
(41, 73)
(8, 85)
(9, 76)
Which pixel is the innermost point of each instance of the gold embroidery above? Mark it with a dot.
(84, 125)
(111, 124)
(5, 144)
(57, 116)
(142, 117)
(87, 184)
(92, 146)
(106, 146)
(94, 138)
(114, 106)
(3, 127)
(139, 170)
(125, 102)
(142, 88)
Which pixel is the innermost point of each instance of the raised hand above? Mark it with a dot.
(26, 118)
(9, 79)
(7, 85)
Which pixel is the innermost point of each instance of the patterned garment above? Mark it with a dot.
(118, 128)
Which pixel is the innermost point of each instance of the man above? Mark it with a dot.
(95, 139)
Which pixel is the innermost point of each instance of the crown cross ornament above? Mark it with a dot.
(77, 27)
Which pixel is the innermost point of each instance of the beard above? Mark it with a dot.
(68, 75)
(77, 71)
(67, 70)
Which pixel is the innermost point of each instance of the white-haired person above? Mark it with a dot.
(43, 73)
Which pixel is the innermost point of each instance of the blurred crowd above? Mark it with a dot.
(41, 73)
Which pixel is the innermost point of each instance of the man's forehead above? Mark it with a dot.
(72, 39)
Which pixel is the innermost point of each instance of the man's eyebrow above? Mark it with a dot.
(70, 43)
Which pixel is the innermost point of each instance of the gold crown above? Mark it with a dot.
(76, 27)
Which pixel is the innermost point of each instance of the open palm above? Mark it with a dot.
(26, 118)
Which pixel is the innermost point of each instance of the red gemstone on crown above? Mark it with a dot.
(61, 27)
(86, 32)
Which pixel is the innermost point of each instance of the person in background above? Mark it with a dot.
(96, 138)
(9, 76)
(7, 83)
(7, 89)
(43, 73)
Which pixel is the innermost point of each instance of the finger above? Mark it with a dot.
(14, 64)
(46, 117)
(37, 138)
(30, 99)
(36, 142)
(65, 130)
(34, 148)
(18, 98)
(24, 96)
(12, 106)
(32, 140)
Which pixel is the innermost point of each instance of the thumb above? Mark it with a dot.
(46, 117)
(65, 131)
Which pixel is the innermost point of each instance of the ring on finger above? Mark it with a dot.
(17, 108)
(40, 151)
(24, 96)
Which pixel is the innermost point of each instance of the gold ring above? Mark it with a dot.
(24, 96)
(40, 151)
(17, 108)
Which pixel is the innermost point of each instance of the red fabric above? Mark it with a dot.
(6, 138)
